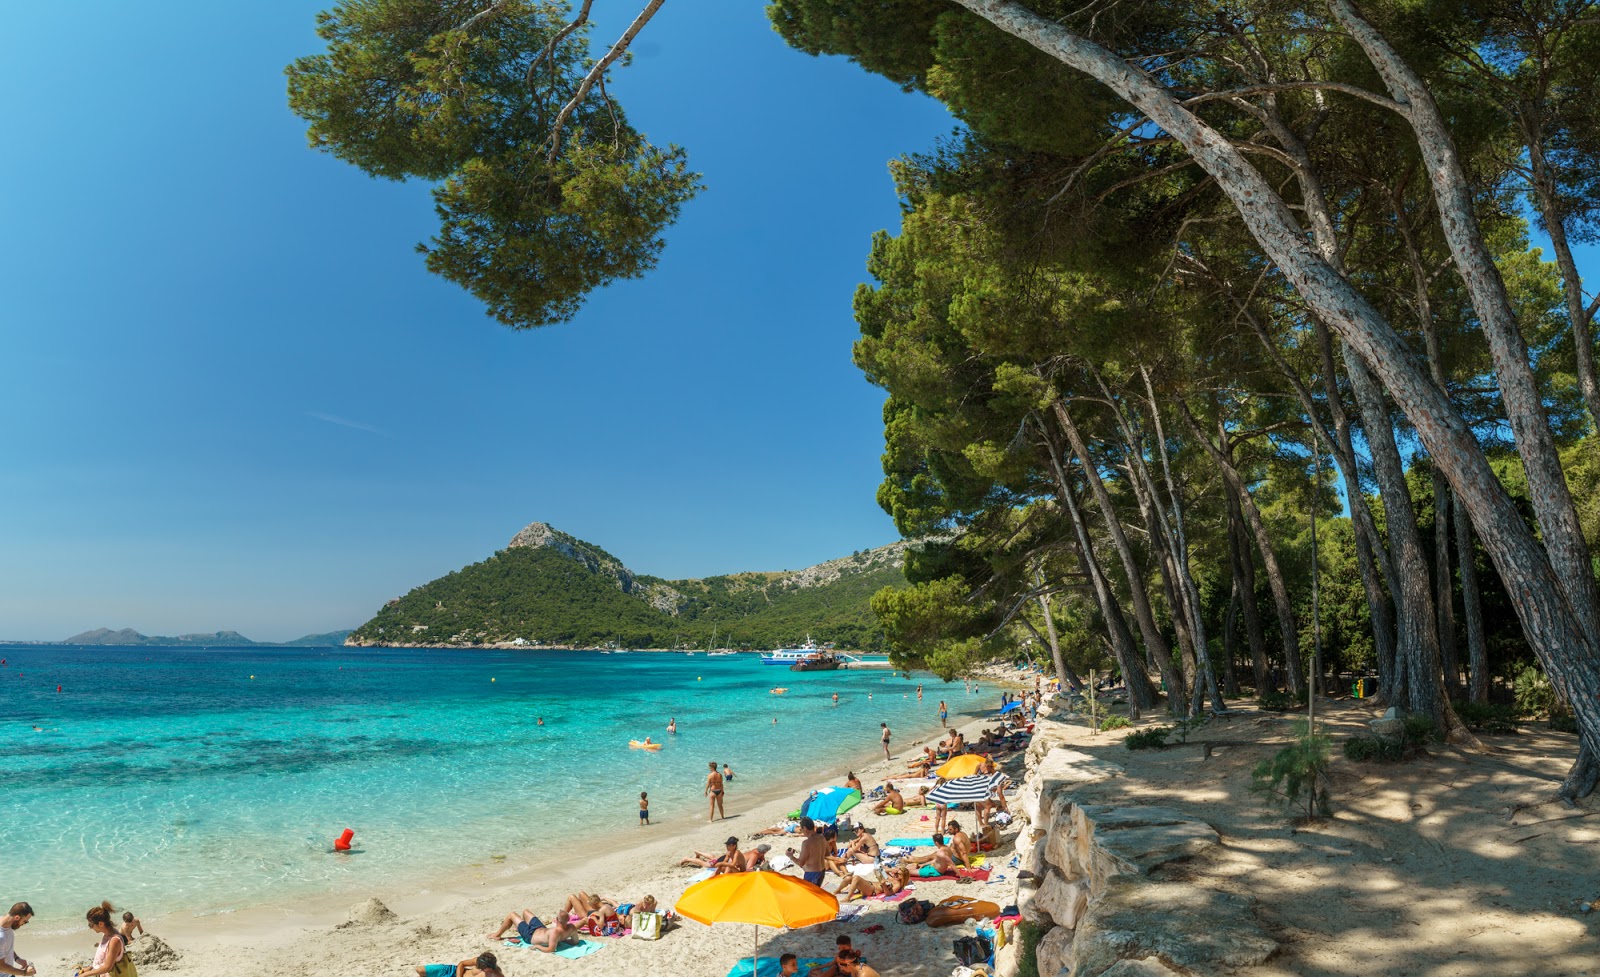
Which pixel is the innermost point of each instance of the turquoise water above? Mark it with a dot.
(183, 780)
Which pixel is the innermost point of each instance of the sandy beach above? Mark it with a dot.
(448, 921)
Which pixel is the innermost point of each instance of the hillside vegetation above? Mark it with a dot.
(549, 588)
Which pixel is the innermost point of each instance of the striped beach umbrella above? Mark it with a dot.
(967, 790)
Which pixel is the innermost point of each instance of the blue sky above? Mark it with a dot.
(233, 398)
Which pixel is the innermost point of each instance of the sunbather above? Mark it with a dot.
(536, 933)
(891, 800)
(483, 965)
(858, 886)
(939, 856)
(702, 859)
(920, 766)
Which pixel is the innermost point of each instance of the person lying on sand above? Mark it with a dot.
(583, 904)
(920, 799)
(702, 859)
(483, 965)
(856, 886)
(939, 856)
(786, 828)
(533, 932)
(891, 799)
(920, 766)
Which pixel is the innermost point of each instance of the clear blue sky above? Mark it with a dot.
(233, 398)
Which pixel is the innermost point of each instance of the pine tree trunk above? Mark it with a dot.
(1556, 608)
(1155, 643)
(1244, 574)
(1269, 559)
(1444, 589)
(1230, 638)
(1472, 609)
(1141, 694)
(1063, 673)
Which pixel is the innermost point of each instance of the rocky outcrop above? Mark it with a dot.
(1091, 877)
(893, 555)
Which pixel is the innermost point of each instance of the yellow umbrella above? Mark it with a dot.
(964, 765)
(762, 898)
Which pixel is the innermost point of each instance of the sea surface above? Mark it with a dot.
(183, 780)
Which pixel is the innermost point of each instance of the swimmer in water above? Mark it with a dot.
(541, 720)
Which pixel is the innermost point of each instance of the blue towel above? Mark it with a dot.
(769, 966)
(911, 842)
(581, 950)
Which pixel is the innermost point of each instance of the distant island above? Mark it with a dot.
(551, 589)
(215, 639)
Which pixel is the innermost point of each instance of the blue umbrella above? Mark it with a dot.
(828, 803)
(1013, 704)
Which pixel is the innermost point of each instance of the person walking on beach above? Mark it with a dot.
(944, 714)
(10, 963)
(644, 808)
(714, 790)
(886, 755)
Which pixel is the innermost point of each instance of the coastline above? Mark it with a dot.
(627, 861)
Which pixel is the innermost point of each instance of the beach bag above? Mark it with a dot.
(125, 967)
(972, 949)
(959, 909)
(647, 926)
(912, 911)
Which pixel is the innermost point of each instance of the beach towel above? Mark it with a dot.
(849, 911)
(976, 874)
(581, 950)
(893, 851)
(769, 966)
(702, 875)
(896, 897)
(911, 842)
(779, 862)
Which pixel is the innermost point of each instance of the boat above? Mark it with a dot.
(821, 662)
(719, 654)
(788, 656)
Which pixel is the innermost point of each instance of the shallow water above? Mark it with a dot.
(170, 779)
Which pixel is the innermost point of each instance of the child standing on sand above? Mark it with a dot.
(644, 808)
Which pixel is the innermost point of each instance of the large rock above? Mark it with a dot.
(1058, 772)
(1099, 843)
(1389, 728)
(1197, 931)
(1008, 960)
(1063, 901)
(1053, 953)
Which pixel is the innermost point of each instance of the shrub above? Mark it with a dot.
(1487, 718)
(1147, 739)
(1364, 749)
(1276, 701)
(1115, 722)
(1420, 730)
(1533, 693)
(1027, 954)
(1297, 774)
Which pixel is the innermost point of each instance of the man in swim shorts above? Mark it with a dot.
(891, 799)
(810, 855)
(885, 738)
(944, 714)
(714, 790)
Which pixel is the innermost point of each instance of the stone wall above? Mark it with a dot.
(1089, 876)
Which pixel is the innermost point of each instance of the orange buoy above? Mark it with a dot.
(342, 843)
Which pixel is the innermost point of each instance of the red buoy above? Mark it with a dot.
(342, 843)
(58, 688)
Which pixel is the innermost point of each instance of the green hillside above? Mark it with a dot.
(548, 588)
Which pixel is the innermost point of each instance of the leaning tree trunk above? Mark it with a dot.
(1582, 319)
(1141, 694)
(1155, 643)
(1541, 583)
(1269, 559)
(1064, 674)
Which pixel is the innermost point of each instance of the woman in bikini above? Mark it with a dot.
(864, 886)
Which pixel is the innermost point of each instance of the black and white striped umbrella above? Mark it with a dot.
(967, 790)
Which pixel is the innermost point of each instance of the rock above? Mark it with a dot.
(1148, 967)
(1138, 840)
(1008, 960)
(1063, 901)
(1033, 859)
(1053, 953)
(1199, 932)
(369, 913)
(1394, 712)
(1389, 729)
(153, 953)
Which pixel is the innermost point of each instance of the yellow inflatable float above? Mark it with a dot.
(779, 691)
(643, 745)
